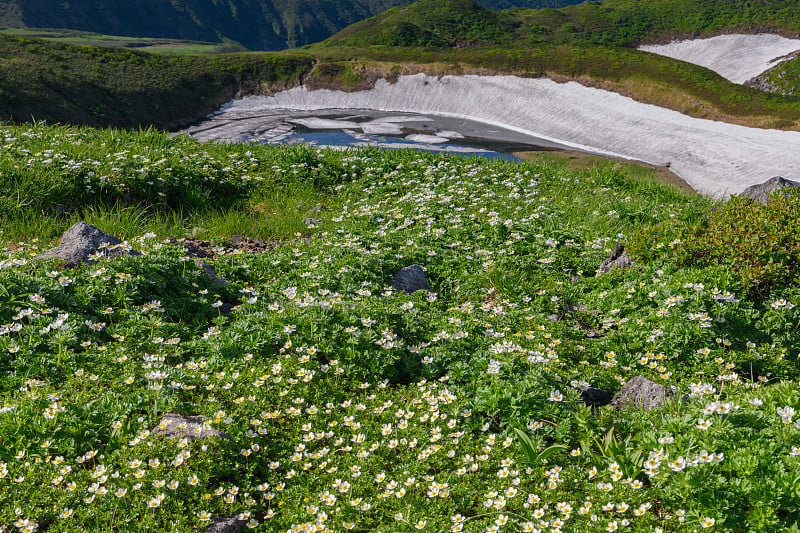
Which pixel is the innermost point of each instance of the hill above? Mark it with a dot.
(609, 23)
(44, 80)
(257, 25)
(322, 398)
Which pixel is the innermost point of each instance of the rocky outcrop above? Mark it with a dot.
(84, 243)
(619, 258)
(411, 279)
(760, 193)
(642, 393)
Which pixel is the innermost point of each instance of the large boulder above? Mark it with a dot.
(82, 241)
(760, 193)
(619, 258)
(642, 393)
(411, 279)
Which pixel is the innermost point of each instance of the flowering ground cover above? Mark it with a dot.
(345, 405)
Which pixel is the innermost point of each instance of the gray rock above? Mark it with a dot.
(212, 273)
(596, 397)
(642, 393)
(619, 258)
(175, 426)
(230, 524)
(411, 279)
(760, 193)
(195, 251)
(83, 240)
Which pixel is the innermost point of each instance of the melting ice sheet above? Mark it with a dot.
(341, 128)
(715, 158)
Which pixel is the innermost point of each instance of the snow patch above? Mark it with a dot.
(428, 139)
(736, 58)
(715, 158)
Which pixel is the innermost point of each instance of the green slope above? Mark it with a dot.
(256, 24)
(119, 87)
(431, 23)
(783, 78)
(610, 23)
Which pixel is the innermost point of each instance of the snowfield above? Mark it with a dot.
(736, 58)
(715, 158)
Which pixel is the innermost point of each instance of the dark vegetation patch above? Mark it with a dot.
(120, 87)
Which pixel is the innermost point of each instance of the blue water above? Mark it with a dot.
(341, 138)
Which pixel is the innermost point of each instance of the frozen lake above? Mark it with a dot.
(343, 128)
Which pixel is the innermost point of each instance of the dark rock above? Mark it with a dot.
(642, 393)
(230, 524)
(83, 240)
(760, 193)
(226, 308)
(195, 251)
(175, 426)
(596, 397)
(212, 273)
(411, 279)
(619, 258)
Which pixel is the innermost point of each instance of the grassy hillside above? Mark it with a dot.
(112, 86)
(609, 23)
(350, 406)
(624, 22)
(432, 24)
(148, 44)
(258, 25)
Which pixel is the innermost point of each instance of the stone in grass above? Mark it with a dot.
(593, 397)
(411, 279)
(212, 273)
(760, 193)
(230, 524)
(81, 241)
(642, 393)
(175, 426)
(619, 258)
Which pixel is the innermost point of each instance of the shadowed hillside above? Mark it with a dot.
(258, 25)
(119, 87)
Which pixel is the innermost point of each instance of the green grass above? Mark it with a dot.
(347, 405)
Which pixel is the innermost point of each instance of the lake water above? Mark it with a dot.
(340, 129)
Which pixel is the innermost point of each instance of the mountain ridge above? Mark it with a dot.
(255, 24)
